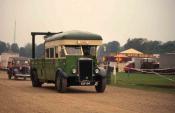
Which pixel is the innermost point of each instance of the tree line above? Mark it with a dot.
(141, 44)
(25, 51)
(149, 46)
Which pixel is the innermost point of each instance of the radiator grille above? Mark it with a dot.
(85, 69)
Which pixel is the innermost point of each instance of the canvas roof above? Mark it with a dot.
(74, 35)
(131, 51)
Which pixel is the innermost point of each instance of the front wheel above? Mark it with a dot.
(61, 84)
(35, 80)
(100, 87)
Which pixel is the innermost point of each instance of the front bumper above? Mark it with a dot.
(22, 75)
(82, 83)
(75, 81)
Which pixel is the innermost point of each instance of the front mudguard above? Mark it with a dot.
(10, 71)
(102, 73)
(61, 73)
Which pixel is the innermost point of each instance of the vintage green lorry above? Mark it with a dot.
(69, 60)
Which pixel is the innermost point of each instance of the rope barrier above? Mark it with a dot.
(152, 72)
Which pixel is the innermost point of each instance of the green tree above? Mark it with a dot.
(8, 46)
(151, 47)
(15, 48)
(113, 47)
(136, 43)
(40, 51)
(3, 47)
(28, 50)
(107, 49)
(22, 52)
(168, 47)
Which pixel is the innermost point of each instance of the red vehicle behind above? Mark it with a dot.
(141, 63)
(129, 67)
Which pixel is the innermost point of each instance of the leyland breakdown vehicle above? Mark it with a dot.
(18, 67)
(69, 60)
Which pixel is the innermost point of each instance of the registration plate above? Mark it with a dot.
(85, 83)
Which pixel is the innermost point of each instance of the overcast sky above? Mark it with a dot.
(112, 19)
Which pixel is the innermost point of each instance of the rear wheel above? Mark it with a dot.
(100, 87)
(35, 80)
(15, 77)
(9, 76)
(24, 78)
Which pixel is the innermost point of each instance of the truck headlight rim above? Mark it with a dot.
(74, 71)
(97, 70)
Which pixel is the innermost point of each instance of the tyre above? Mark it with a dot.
(100, 87)
(35, 80)
(9, 76)
(15, 77)
(58, 83)
(61, 84)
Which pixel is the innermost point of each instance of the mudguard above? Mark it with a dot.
(62, 73)
(102, 73)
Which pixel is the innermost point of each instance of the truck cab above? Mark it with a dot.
(69, 60)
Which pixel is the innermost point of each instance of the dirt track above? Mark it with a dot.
(18, 96)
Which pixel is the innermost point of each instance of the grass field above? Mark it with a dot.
(164, 83)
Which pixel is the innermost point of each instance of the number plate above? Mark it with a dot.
(85, 83)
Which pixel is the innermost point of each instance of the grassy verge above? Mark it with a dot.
(163, 83)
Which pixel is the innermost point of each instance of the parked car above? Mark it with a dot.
(18, 67)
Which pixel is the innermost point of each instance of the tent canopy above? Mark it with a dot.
(131, 51)
(121, 56)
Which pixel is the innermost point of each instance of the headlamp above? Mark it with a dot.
(74, 71)
(97, 71)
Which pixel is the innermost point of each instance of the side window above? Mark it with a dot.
(62, 53)
(93, 50)
(56, 52)
(51, 52)
(47, 53)
(59, 51)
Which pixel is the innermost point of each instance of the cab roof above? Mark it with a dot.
(74, 35)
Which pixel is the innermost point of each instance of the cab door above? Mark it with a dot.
(43, 69)
(40, 69)
(49, 65)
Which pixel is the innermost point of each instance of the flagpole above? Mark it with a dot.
(15, 32)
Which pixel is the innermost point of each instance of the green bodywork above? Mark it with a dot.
(65, 62)
(47, 68)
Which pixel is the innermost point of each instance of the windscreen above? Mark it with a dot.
(89, 50)
(73, 50)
